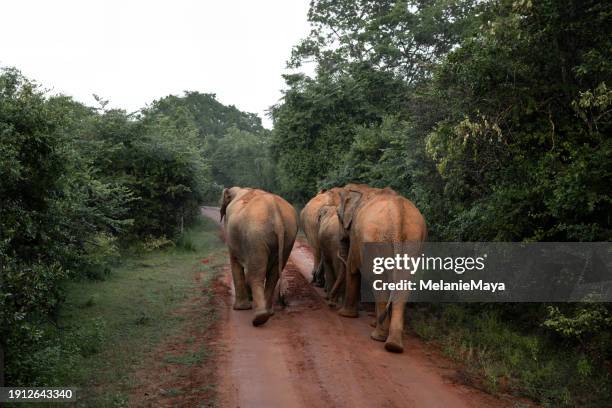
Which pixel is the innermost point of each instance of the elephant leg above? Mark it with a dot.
(333, 293)
(328, 273)
(381, 332)
(241, 302)
(351, 294)
(319, 276)
(394, 341)
(271, 283)
(317, 263)
(257, 274)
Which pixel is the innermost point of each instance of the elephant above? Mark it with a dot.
(260, 230)
(331, 248)
(370, 214)
(308, 221)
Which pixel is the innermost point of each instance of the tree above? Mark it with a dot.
(374, 60)
(242, 158)
(524, 150)
(233, 144)
(51, 212)
(405, 38)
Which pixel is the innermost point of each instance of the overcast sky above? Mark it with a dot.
(132, 52)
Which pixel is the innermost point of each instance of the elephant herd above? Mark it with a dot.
(260, 230)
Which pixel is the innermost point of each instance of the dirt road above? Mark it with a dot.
(308, 356)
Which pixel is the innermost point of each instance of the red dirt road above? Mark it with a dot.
(306, 355)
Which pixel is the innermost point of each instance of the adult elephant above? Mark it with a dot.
(260, 229)
(377, 215)
(332, 251)
(309, 222)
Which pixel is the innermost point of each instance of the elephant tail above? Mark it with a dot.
(281, 247)
(280, 234)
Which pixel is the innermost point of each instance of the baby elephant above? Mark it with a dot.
(260, 230)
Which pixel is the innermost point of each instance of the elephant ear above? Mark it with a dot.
(226, 198)
(349, 201)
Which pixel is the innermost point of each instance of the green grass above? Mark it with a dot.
(107, 327)
(501, 358)
(189, 359)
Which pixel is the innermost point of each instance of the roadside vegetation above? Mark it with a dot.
(502, 353)
(106, 330)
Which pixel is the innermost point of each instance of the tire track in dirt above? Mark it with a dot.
(306, 355)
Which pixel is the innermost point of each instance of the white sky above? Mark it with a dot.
(132, 52)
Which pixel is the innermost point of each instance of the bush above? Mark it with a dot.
(77, 183)
(501, 355)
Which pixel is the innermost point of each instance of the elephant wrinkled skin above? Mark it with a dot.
(309, 222)
(377, 215)
(260, 229)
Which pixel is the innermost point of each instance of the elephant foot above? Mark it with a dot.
(394, 345)
(332, 304)
(261, 317)
(243, 305)
(345, 312)
(373, 323)
(379, 335)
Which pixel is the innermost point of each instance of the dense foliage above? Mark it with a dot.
(55, 213)
(234, 143)
(78, 184)
(492, 116)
